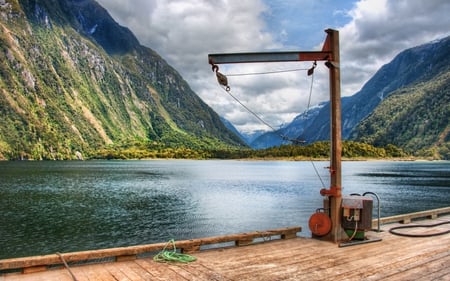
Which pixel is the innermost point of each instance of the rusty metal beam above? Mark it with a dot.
(268, 57)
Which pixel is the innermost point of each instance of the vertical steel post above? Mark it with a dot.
(336, 137)
(334, 194)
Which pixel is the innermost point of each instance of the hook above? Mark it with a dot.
(311, 70)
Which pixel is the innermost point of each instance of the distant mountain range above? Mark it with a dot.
(406, 103)
(73, 81)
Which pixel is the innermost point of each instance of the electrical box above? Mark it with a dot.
(357, 213)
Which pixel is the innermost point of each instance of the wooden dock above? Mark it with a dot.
(289, 258)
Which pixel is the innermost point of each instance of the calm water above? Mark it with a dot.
(48, 207)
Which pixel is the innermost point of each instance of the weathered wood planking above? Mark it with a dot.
(408, 218)
(394, 258)
(39, 263)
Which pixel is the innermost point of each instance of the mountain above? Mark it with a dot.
(412, 66)
(422, 64)
(416, 118)
(232, 128)
(292, 133)
(249, 137)
(73, 80)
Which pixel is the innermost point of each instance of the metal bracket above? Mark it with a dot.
(333, 191)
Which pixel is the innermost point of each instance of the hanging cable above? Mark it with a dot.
(311, 73)
(354, 232)
(223, 81)
(317, 172)
(227, 89)
(284, 137)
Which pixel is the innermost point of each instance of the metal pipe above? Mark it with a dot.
(378, 205)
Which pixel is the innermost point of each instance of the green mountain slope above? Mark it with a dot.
(416, 118)
(73, 81)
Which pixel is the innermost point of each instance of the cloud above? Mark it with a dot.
(184, 32)
(380, 29)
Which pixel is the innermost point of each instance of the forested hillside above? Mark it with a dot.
(416, 118)
(73, 81)
(406, 104)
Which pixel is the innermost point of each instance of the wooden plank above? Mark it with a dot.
(337, 257)
(157, 271)
(79, 272)
(126, 258)
(135, 272)
(398, 251)
(394, 258)
(407, 218)
(116, 272)
(96, 273)
(127, 252)
(391, 265)
(34, 269)
(201, 272)
(431, 268)
(442, 275)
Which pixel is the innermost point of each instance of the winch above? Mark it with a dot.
(356, 216)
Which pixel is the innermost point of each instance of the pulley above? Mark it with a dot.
(223, 80)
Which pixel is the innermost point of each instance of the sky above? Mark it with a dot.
(184, 32)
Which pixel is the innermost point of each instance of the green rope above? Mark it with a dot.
(173, 256)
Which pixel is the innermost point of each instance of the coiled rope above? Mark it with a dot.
(395, 232)
(173, 256)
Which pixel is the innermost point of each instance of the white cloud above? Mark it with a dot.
(380, 29)
(184, 31)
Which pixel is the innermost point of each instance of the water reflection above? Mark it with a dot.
(49, 207)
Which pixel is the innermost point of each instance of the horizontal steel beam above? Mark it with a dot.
(268, 57)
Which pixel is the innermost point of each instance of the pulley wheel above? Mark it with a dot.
(320, 224)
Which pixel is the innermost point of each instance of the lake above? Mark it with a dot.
(64, 206)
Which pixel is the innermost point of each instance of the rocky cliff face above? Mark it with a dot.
(73, 80)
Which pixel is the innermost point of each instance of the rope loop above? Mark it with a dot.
(395, 232)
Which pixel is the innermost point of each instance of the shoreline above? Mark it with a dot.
(294, 158)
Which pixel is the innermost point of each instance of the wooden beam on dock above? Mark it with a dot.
(39, 263)
(408, 218)
(394, 258)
